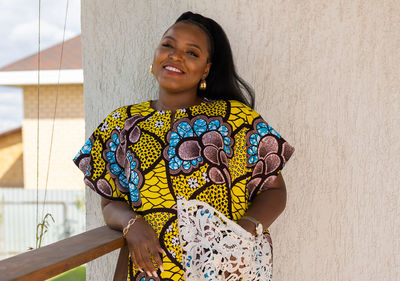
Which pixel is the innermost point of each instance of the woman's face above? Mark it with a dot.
(181, 59)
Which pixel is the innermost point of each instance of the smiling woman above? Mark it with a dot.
(193, 178)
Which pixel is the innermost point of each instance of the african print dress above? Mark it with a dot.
(221, 153)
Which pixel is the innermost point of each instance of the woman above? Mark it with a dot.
(198, 149)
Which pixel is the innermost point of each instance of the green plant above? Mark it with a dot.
(80, 204)
(41, 230)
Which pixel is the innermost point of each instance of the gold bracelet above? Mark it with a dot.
(259, 227)
(130, 223)
(253, 220)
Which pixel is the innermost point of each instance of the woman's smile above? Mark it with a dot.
(173, 69)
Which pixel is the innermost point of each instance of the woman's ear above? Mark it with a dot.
(206, 71)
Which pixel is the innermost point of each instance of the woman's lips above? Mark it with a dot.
(171, 69)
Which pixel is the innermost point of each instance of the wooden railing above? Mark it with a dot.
(56, 258)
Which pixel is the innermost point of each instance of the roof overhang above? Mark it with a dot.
(47, 77)
(11, 131)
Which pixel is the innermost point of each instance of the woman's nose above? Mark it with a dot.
(176, 54)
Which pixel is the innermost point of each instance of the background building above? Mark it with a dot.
(65, 121)
(59, 183)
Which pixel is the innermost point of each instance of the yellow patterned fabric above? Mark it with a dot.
(219, 152)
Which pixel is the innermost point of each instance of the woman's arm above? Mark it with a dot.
(266, 206)
(141, 238)
(116, 213)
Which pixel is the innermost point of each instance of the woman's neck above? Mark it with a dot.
(174, 101)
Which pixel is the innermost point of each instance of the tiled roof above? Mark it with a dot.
(50, 58)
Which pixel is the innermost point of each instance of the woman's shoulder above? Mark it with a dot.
(242, 111)
(117, 118)
(126, 111)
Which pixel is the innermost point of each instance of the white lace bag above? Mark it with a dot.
(216, 248)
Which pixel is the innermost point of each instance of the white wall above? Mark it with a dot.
(326, 74)
(61, 173)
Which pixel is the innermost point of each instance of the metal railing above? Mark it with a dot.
(56, 258)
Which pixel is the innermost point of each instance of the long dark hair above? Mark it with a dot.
(222, 81)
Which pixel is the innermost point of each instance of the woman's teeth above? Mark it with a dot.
(170, 68)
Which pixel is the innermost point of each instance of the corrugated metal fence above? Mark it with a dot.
(18, 217)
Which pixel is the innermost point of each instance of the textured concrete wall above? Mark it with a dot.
(68, 136)
(326, 74)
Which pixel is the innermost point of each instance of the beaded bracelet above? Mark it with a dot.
(130, 223)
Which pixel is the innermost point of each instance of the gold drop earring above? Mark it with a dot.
(203, 85)
(151, 68)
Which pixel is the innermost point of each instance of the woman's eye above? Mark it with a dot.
(166, 45)
(193, 54)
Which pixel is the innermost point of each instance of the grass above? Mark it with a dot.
(76, 274)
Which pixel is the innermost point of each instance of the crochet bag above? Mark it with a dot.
(216, 248)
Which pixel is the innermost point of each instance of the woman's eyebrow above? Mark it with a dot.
(170, 37)
(189, 44)
(194, 45)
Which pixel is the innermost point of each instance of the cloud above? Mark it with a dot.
(10, 96)
(27, 32)
(11, 108)
(19, 38)
(10, 112)
(10, 101)
(10, 117)
(6, 125)
(19, 26)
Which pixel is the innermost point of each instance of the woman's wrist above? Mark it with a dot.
(251, 224)
(248, 226)
(127, 226)
(253, 220)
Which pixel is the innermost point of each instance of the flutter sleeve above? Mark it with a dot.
(102, 158)
(267, 154)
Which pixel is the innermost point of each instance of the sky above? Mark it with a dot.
(19, 20)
